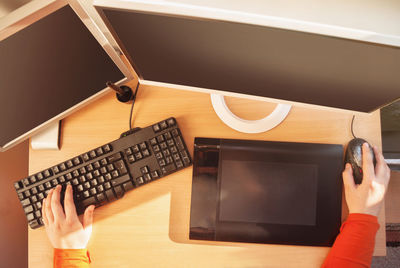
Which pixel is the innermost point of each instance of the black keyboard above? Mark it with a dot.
(104, 174)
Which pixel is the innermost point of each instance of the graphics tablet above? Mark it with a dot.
(266, 192)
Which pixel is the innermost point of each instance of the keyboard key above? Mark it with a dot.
(156, 128)
(38, 205)
(146, 153)
(114, 157)
(89, 176)
(138, 156)
(110, 195)
(163, 145)
(147, 177)
(88, 201)
(153, 141)
(168, 168)
(34, 224)
(55, 170)
(144, 170)
(41, 188)
(166, 153)
(99, 151)
(107, 185)
(179, 143)
(86, 185)
(30, 216)
(27, 193)
(96, 165)
(28, 209)
(86, 194)
(159, 156)
(93, 191)
(160, 138)
(128, 151)
(156, 148)
(171, 122)
(62, 167)
(186, 161)
(21, 196)
(128, 186)
(26, 202)
(101, 199)
(92, 154)
(103, 170)
(143, 146)
(34, 199)
(86, 157)
(120, 180)
(108, 176)
(167, 136)
(75, 173)
(34, 190)
(93, 182)
(179, 164)
(100, 188)
(61, 179)
(154, 174)
(175, 132)
(26, 182)
(103, 161)
(170, 143)
(38, 214)
(162, 162)
(135, 149)
(119, 192)
(115, 173)
(107, 148)
(120, 166)
(131, 159)
(18, 185)
(110, 167)
(96, 173)
(82, 170)
(169, 160)
(89, 167)
(54, 182)
(75, 182)
(163, 125)
(80, 188)
(69, 164)
(140, 180)
(40, 196)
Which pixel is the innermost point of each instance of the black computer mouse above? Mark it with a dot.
(354, 157)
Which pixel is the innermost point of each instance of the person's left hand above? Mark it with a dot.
(64, 230)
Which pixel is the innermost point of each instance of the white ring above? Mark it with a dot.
(248, 126)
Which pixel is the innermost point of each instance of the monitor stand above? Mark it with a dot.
(248, 126)
(48, 138)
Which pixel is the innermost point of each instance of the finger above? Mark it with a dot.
(56, 207)
(69, 206)
(49, 213)
(44, 217)
(88, 217)
(367, 164)
(381, 170)
(348, 179)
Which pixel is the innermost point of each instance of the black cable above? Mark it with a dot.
(352, 121)
(133, 103)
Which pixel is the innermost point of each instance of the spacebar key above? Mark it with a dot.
(120, 180)
(87, 202)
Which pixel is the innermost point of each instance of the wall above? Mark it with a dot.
(13, 225)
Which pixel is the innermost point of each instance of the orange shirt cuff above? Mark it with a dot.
(79, 258)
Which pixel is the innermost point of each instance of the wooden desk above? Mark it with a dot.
(149, 227)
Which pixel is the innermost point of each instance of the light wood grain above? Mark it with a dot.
(149, 227)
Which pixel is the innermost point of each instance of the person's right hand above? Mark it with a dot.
(63, 227)
(367, 197)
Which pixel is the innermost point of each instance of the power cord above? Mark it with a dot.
(133, 103)
(352, 121)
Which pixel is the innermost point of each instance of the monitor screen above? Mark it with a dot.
(258, 60)
(47, 68)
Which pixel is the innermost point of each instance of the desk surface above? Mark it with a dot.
(149, 226)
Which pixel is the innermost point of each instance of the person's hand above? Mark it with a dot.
(64, 230)
(368, 196)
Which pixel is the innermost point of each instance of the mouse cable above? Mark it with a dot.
(352, 121)
(133, 103)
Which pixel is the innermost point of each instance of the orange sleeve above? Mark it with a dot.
(355, 244)
(71, 258)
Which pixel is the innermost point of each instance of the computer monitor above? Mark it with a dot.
(53, 61)
(222, 50)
